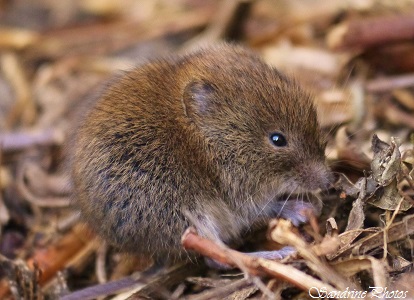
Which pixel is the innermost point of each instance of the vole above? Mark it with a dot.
(217, 134)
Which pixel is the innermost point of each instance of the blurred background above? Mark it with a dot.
(356, 57)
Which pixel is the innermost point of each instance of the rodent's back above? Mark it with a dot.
(192, 134)
(125, 171)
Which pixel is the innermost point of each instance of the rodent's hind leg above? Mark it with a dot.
(297, 211)
(275, 254)
(272, 255)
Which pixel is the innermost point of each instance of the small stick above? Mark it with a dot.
(225, 25)
(148, 281)
(39, 201)
(192, 241)
(281, 232)
(222, 291)
(100, 265)
(255, 265)
(13, 141)
(393, 114)
(24, 109)
(4, 212)
(365, 33)
(390, 83)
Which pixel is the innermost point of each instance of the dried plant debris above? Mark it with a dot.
(355, 57)
(24, 283)
(380, 188)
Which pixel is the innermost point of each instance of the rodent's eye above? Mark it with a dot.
(278, 139)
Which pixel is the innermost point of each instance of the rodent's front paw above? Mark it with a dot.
(296, 211)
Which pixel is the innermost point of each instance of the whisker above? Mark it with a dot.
(284, 203)
(320, 199)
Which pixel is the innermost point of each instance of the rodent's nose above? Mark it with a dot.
(316, 176)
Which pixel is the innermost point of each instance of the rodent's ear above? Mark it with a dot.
(197, 98)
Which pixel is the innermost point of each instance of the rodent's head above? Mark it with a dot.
(261, 126)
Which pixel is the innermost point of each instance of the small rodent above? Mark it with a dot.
(217, 133)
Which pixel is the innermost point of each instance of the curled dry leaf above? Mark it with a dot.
(381, 187)
(356, 216)
(362, 189)
(386, 162)
(386, 169)
(390, 197)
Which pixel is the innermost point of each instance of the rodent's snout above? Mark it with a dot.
(316, 176)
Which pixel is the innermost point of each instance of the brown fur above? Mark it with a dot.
(191, 133)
